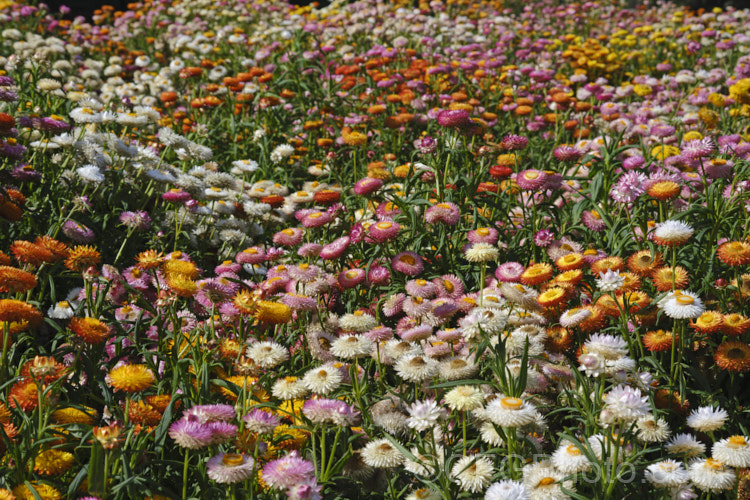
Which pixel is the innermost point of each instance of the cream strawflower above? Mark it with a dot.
(667, 474)
(416, 368)
(380, 453)
(733, 451)
(323, 380)
(472, 473)
(357, 321)
(482, 252)
(464, 398)
(507, 490)
(267, 354)
(569, 459)
(510, 412)
(685, 445)
(711, 476)
(351, 346)
(672, 232)
(652, 430)
(707, 419)
(289, 388)
(681, 304)
(545, 482)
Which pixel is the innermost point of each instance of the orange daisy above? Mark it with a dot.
(59, 249)
(733, 356)
(150, 259)
(181, 285)
(27, 252)
(664, 190)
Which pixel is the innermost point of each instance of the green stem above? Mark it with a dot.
(185, 464)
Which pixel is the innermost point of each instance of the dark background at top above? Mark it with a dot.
(87, 7)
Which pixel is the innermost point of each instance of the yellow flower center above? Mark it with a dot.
(408, 259)
(546, 481)
(288, 231)
(232, 459)
(384, 225)
(685, 300)
(737, 442)
(714, 464)
(511, 403)
(421, 282)
(573, 450)
(531, 175)
(63, 303)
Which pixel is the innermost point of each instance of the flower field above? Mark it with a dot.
(442, 250)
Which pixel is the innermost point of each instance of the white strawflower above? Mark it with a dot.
(464, 398)
(652, 430)
(685, 445)
(267, 354)
(425, 465)
(592, 364)
(482, 252)
(281, 152)
(416, 368)
(711, 476)
(472, 473)
(380, 453)
(672, 232)
(681, 304)
(609, 347)
(510, 412)
(610, 281)
(626, 403)
(61, 310)
(545, 482)
(489, 435)
(507, 490)
(424, 494)
(357, 322)
(323, 380)
(733, 451)
(90, 174)
(288, 388)
(351, 346)
(424, 415)
(707, 419)
(568, 458)
(667, 474)
(573, 317)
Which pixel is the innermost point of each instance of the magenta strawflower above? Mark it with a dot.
(77, 232)
(509, 272)
(230, 468)
(315, 219)
(212, 413)
(408, 263)
(454, 118)
(531, 179)
(378, 275)
(382, 231)
(483, 235)
(190, 433)
(351, 278)
(567, 153)
(221, 432)
(447, 213)
(366, 186)
(421, 288)
(334, 249)
(449, 286)
(288, 471)
(512, 142)
(426, 145)
(698, 148)
(544, 238)
(379, 334)
(310, 250)
(138, 220)
(330, 411)
(260, 421)
(252, 255)
(288, 237)
(592, 220)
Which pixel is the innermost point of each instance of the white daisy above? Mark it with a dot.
(667, 474)
(267, 354)
(733, 451)
(707, 419)
(472, 473)
(380, 453)
(510, 412)
(685, 445)
(323, 380)
(711, 476)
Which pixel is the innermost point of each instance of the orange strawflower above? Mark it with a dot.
(558, 339)
(536, 274)
(733, 356)
(734, 253)
(18, 311)
(181, 285)
(708, 322)
(643, 263)
(59, 249)
(612, 262)
(82, 257)
(150, 259)
(131, 378)
(594, 322)
(735, 324)
(27, 252)
(662, 278)
(23, 394)
(91, 330)
(664, 190)
(572, 277)
(45, 368)
(14, 280)
(570, 262)
(658, 340)
(552, 297)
